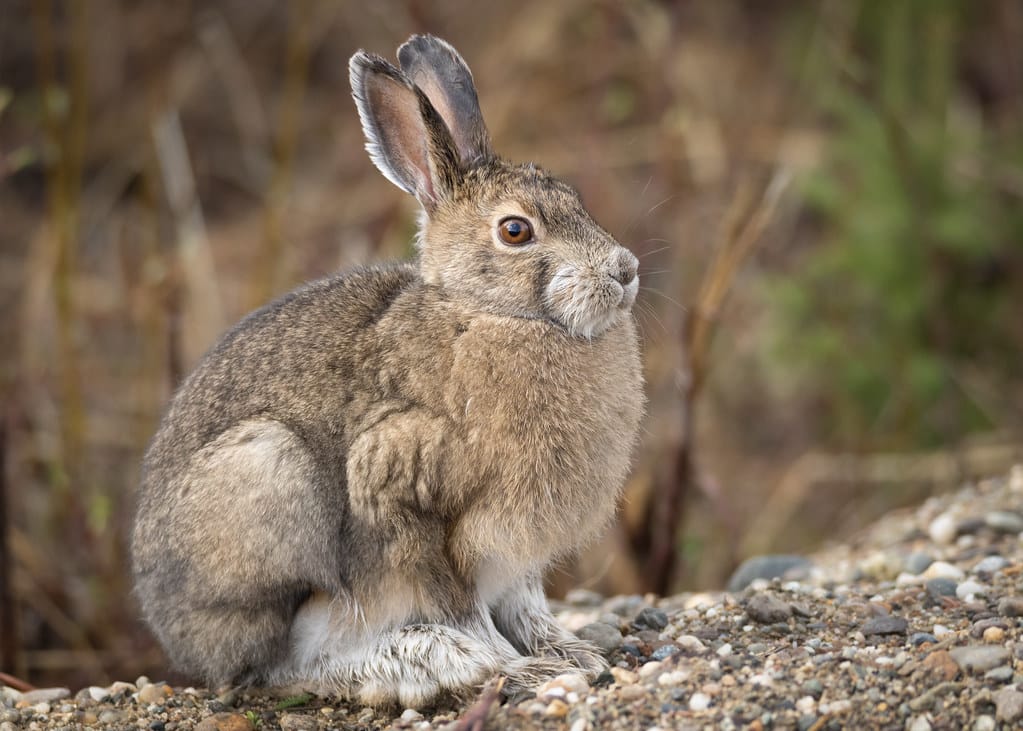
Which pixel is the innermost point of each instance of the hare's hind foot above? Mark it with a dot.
(413, 666)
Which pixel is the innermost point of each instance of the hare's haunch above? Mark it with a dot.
(358, 489)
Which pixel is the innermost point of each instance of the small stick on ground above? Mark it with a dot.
(475, 719)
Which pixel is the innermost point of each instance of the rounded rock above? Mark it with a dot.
(943, 570)
(699, 702)
(979, 658)
(990, 565)
(771, 566)
(604, 636)
(767, 609)
(943, 529)
(1004, 521)
(651, 618)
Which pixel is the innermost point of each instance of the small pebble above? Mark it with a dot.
(767, 609)
(155, 693)
(673, 678)
(1001, 674)
(1004, 521)
(917, 562)
(1008, 705)
(979, 658)
(994, 635)
(604, 636)
(943, 570)
(692, 645)
(557, 708)
(920, 723)
(922, 638)
(664, 652)
(409, 715)
(1011, 606)
(970, 588)
(45, 695)
(302, 722)
(699, 702)
(941, 587)
(624, 677)
(885, 625)
(983, 723)
(651, 618)
(990, 565)
(943, 529)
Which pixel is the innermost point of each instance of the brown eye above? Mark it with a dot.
(515, 231)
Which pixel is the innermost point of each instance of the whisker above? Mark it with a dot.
(675, 302)
(655, 251)
(654, 208)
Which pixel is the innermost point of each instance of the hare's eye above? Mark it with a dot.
(515, 231)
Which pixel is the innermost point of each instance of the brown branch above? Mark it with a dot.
(732, 249)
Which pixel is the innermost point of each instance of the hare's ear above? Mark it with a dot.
(405, 136)
(435, 67)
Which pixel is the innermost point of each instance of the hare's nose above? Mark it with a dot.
(626, 269)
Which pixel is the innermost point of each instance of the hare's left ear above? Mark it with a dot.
(405, 136)
(436, 67)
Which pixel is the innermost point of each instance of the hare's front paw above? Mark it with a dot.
(394, 466)
(526, 674)
(582, 655)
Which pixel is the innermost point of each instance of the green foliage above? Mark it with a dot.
(908, 287)
(294, 701)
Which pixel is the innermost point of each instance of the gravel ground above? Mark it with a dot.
(915, 625)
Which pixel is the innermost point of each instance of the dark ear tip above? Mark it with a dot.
(419, 46)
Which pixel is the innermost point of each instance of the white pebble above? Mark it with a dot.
(762, 679)
(835, 707)
(920, 723)
(97, 693)
(943, 570)
(411, 714)
(806, 705)
(675, 677)
(984, 723)
(969, 589)
(699, 702)
(689, 643)
(580, 724)
(725, 650)
(651, 669)
(942, 529)
(1016, 478)
(940, 631)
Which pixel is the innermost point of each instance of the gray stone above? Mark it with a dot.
(300, 722)
(1001, 674)
(979, 658)
(1004, 521)
(922, 638)
(984, 723)
(45, 695)
(941, 587)
(917, 562)
(989, 565)
(771, 566)
(1008, 705)
(885, 625)
(767, 609)
(1011, 606)
(651, 618)
(604, 636)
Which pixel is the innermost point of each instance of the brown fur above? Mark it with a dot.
(417, 442)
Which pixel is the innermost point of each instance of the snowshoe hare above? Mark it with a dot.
(359, 488)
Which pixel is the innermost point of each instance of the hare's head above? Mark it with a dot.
(496, 237)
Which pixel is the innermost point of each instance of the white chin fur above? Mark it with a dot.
(588, 303)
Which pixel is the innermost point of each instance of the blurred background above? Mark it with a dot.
(826, 197)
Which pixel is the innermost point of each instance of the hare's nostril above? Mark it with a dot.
(624, 274)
